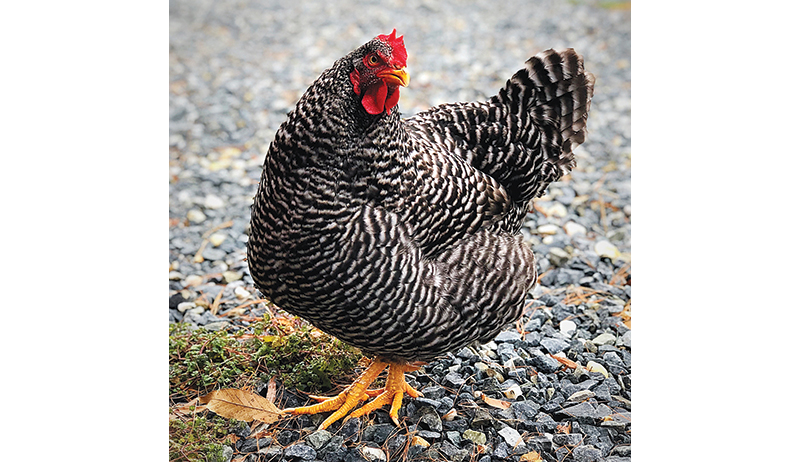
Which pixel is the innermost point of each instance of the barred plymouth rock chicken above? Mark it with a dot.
(401, 236)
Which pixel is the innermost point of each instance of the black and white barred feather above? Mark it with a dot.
(401, 237)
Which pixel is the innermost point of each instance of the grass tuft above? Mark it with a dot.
(200, 361)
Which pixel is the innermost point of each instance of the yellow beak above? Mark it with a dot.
(397, 76)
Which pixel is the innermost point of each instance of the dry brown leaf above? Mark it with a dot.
(233, 403)
(532, 456)
(498, 403)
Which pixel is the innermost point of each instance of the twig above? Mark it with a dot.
(620, 275)
(198, 257)
(215, 305)
(253, 302)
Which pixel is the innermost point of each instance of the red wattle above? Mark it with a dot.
(394, 96)
(374, 98)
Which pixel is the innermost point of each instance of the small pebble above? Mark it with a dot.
(175, 276)
(557, 256)
(513, 392)
(241, 293)
(373, 454)
(567, 327)
(548, 229)
(231, 276)
(195, 216)
(574, 229)
(419, 441)
(213, 202)
(216, 239)
(604, 339)
(557, 210)
(592, 366)
(196, 310)
(192, 280)
(581, 395)
(474, 436)
(183, 307)
(606, 249)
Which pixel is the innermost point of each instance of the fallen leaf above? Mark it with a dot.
(233, 403)
(498, 403)
(532, 456)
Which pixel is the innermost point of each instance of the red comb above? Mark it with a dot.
(399, 54)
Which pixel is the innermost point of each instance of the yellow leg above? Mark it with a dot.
(342, 403)
(392, 393)
(345, 400)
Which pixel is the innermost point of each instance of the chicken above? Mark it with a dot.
(401, 236)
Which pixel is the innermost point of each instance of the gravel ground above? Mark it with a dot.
(237, 68)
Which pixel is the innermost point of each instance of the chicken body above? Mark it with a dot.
(401, 236)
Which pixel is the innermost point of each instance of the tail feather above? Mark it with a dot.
(524, 136)
(557, 92)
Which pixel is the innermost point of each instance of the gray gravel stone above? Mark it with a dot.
(511, 436)
(581, 395)
(582, 412)
(544, 363)
(475, 436)
(507, 336)
(587, 454)
(554, 345)
(453, 379)
(433, 392)
(482, 417)
(210, 253)
(318, 439)
(428, 419)
(604, 339)
(378, 433)
(227, 453)
(567, 439)
(300, 452)
(625, 340)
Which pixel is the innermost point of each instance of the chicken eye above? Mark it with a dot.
(372, 61)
